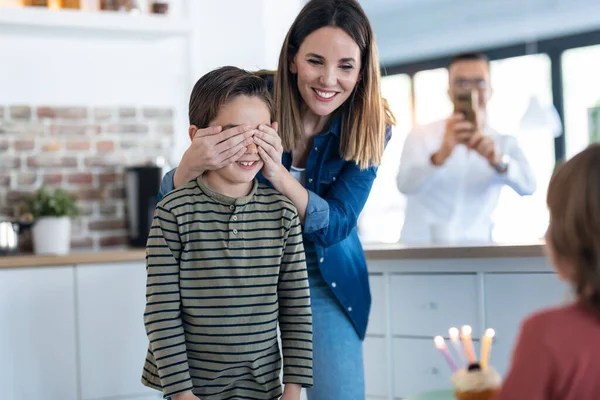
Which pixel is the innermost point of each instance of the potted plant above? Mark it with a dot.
(51, 212)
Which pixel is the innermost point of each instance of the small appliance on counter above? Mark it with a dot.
(9, 235)
(142, 184)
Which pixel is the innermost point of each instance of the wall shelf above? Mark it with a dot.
(100, 22)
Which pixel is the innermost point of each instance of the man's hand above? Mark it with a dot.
(485, 146)
(189, 395)
(458, 131)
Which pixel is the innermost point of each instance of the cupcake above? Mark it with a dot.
(476, 383)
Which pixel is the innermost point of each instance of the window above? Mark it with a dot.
(383, 214)
(431, 96)
(581, 86)
(514, 81)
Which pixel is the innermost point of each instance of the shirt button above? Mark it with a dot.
(234, 218)
(232, 207)
(316, 149)
(235, 231)
(333, 284)
(321, 259)
(334, 178)
(349, 309)
(309, 180)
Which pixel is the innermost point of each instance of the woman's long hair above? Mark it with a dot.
(365, 113)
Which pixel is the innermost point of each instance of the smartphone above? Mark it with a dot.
(465, 103)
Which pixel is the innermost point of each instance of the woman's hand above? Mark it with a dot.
(270, 151)
(211, 149)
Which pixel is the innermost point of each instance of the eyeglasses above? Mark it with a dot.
(471, 84)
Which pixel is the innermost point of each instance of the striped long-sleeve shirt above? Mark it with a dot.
(221, 274)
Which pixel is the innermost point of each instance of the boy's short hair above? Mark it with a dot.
(220, 86)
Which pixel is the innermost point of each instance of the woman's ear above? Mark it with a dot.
(293, 67)
(192, 131)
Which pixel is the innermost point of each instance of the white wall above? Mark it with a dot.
(408, 30)
(68, 67)
(245, 33)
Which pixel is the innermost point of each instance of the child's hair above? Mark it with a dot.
(220, 86)
(574, 232)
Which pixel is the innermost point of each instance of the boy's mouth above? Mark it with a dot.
(247, 165)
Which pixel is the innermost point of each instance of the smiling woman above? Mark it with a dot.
(323, 90)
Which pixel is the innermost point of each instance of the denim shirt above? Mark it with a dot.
(337, 193)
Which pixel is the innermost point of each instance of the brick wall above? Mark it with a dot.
(84, 150)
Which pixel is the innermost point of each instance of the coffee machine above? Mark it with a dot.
(142, 184)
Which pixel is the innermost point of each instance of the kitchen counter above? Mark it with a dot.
(98, 257)
(427, 252)
(372, 251)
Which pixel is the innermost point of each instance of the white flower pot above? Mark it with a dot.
(52, 235)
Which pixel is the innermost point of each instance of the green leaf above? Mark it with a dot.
(59, 203)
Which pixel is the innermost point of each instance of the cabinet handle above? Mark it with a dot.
(431, 306)
(434, 371)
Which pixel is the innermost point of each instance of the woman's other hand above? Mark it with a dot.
(270, 150)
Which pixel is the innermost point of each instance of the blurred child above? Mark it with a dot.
(557, 356)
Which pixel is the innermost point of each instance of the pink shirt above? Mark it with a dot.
(557, 357)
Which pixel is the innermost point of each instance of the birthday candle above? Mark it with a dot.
(486, 347)
(439, 343)
(466, 338)
(455, 340)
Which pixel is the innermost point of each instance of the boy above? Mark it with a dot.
(225, 264)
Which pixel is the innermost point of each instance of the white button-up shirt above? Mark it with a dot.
(460, 194)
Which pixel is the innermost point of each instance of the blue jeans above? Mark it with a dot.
(338, 371)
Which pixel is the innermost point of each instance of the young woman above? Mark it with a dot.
(333, 126)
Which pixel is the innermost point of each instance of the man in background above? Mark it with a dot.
(452, 171)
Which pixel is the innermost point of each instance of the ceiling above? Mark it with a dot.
(375, 8)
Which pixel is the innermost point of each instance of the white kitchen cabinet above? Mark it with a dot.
(379, 305)
(303, 395)
(429, 304)
(37, 334)
(113, 342)
(509, 299)
(376, 367)
(418, 367)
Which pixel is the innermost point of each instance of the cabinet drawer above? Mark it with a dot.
(37, 334)
(509, 299)
(379, 303)
(376, 372)
(418, 367)
(112, 338)
(428, 305)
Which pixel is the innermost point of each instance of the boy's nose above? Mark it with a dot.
(251, 149)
